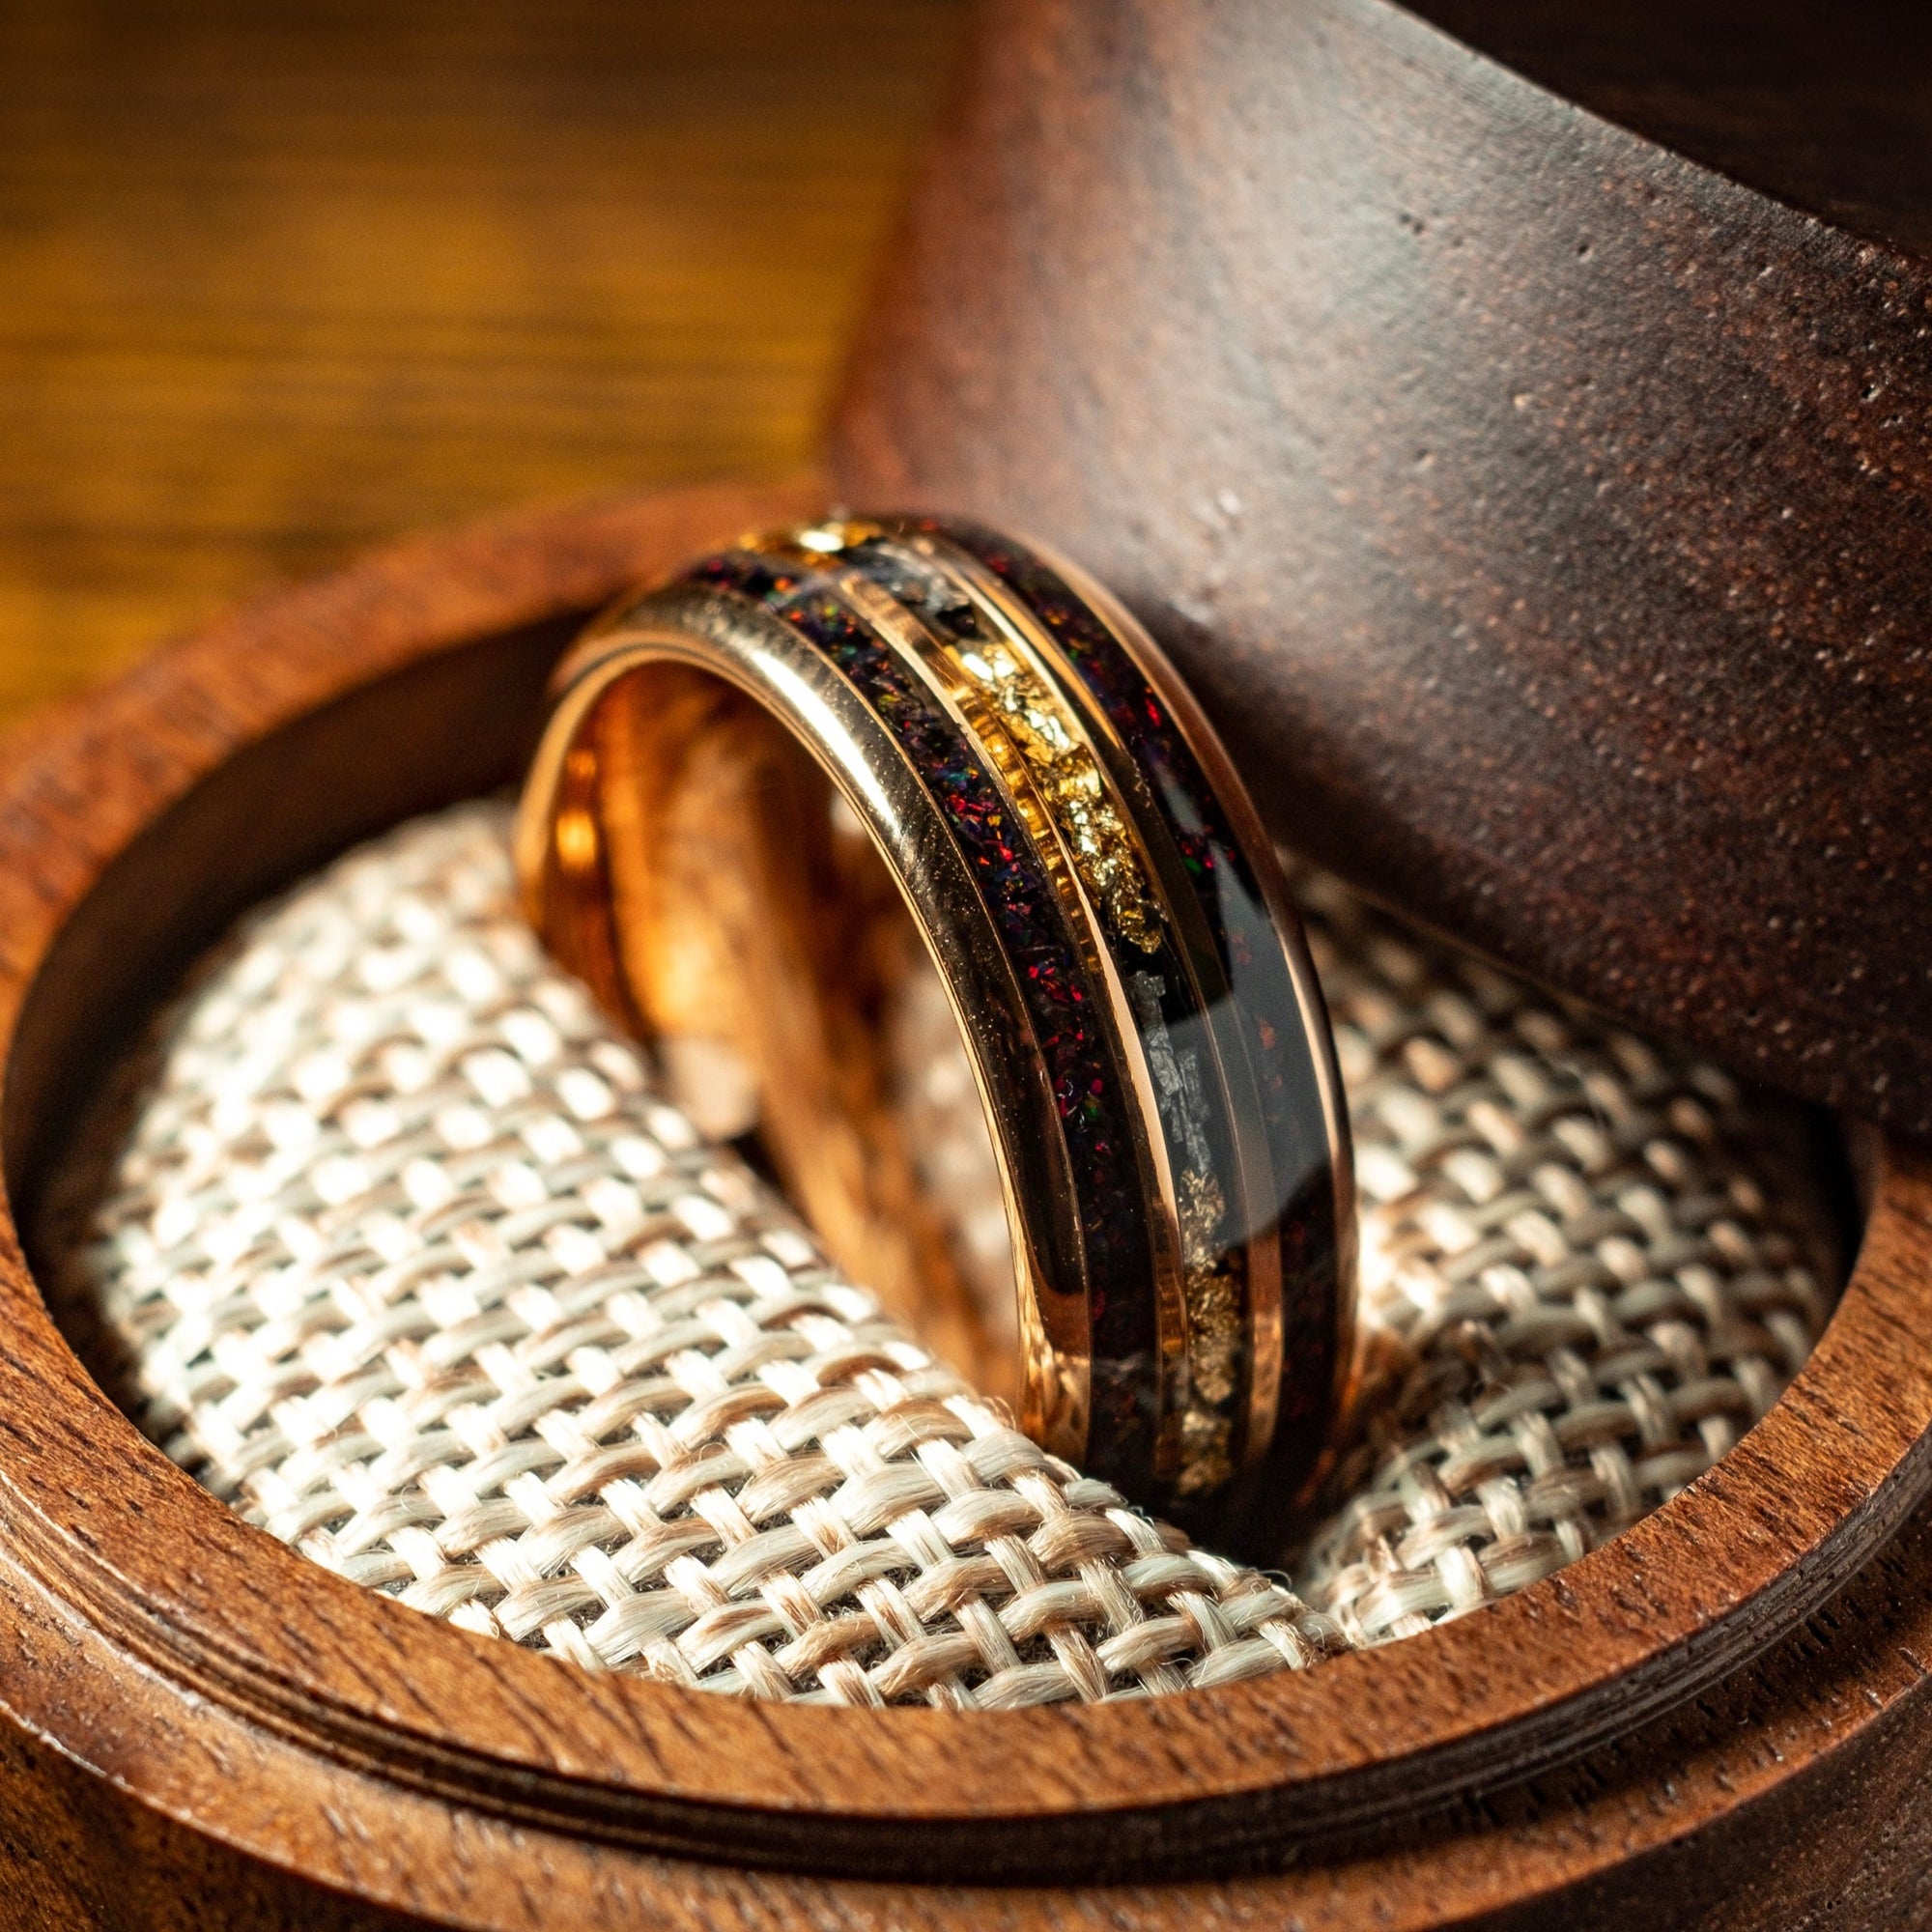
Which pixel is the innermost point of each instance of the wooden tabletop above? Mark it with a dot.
(282, 281)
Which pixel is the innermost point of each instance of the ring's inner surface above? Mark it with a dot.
(777, 971)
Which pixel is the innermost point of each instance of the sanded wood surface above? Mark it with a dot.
(1546, 520)
(230, 1711)
(280, 281)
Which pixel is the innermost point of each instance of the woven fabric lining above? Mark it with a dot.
(1588, 1266)
(409, 1264)
(386, 1237)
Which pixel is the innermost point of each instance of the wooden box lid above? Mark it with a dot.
(1542, 514)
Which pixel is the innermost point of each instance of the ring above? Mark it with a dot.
(864, 770)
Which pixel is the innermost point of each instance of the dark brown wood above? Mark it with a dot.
(1545, 518)
(267, 1744)
(1826, 108)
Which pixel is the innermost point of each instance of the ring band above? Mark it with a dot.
(1142, 1023)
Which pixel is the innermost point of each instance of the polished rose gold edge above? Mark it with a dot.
(888, 797)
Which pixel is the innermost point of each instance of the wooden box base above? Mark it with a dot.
(1720, 1719)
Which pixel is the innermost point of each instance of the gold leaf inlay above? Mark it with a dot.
(1213, 1336)
(1070, 785)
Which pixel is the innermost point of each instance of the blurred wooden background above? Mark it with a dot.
(278, 281)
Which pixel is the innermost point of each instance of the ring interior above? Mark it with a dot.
(766, 952)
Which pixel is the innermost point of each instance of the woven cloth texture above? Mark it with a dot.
(385, 1235)
(1588, 1268)
(402, 1255)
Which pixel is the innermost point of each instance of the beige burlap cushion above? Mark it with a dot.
(384, 1235)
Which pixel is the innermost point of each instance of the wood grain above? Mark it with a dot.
(236, 1713)
(1545, 521)
(284, 281)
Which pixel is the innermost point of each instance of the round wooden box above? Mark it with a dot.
(1721, 1716)
(1543, 514)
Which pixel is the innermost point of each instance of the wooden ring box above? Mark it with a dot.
(1720, 1716)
